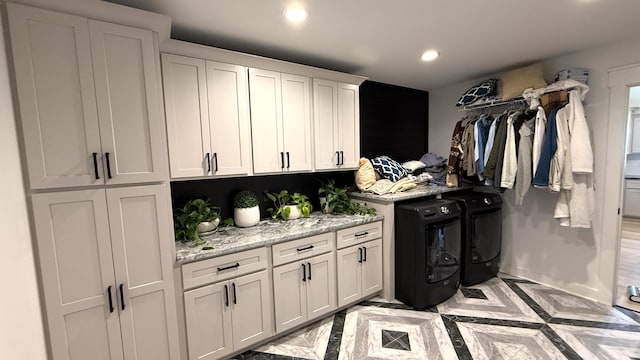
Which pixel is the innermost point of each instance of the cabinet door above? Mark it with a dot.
(142, 255)
(74, 253)
(372, 267)
(296, 122)
(349, 128)
(321, 285)
(290, 295)
(230, 127)
(325, 119)
(54, 78)
(350, 279)
(251, 316)
(266, 121)
(185, 99)
(131, 130)
(208, 317)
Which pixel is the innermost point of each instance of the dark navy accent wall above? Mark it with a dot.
(393, 121)
(221, 191)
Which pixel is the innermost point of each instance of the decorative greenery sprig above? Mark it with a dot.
(282, 199)
(187, 218)
(338, 199)
(245, 199)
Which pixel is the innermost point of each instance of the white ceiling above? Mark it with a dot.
(383, 39)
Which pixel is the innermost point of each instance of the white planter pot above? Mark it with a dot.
(246, 217)
(207, 227)
(325, 209)
(294, 213)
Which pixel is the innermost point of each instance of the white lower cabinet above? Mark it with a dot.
(105, 259)
(360, 269)
(304, 290)
(228, 315)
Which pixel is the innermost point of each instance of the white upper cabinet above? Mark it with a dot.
(280, 122)
(207, 110)
(336, 116)
(88, 99)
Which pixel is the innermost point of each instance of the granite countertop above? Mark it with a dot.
(267, 232)
(417, 192)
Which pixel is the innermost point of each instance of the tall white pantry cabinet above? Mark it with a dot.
(90, 118)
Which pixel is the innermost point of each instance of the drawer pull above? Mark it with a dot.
(229, 267)
(305, 248)
(364, 233)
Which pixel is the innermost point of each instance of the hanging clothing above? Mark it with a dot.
(576, 207)
(468, 146)
(492, 162)
(549, 147)
(560, 173)
(538, 137)
(510, 160)
(482, 134)
(493, 128)
(455, 156)
(525, 173)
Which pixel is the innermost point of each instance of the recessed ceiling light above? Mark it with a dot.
(296, 14)
(429, 55)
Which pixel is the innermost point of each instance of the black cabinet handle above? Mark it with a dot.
(228, 267)
(309, 275)
(364, 252)
(106, 155)
(364, 233)
(305, 248)
(235, 299)
(215, 161)
(281, 160)
(122, 297)
(337, 158)
(341, 157)
(359, 255)
(304, 273)
(95, 165)
(110, 299)
(226, 296)
(288, 162)
(208, 157)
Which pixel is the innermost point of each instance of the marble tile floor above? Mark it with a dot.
(503, 318)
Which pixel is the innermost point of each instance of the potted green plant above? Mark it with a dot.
(196, 217)
(289, 206)
(336, 200)
(246, 212)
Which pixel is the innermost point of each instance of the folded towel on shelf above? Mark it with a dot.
(386, 186)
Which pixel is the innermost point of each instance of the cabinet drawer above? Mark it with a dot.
(302, 248)
(631, 202)
(224, 267)
(359, 234)
(632, 184)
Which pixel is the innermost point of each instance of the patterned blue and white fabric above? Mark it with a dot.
(479, 91)
(388, 168)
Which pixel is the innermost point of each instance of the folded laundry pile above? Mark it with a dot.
(383, 175)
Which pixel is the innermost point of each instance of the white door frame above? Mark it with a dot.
(620, 79)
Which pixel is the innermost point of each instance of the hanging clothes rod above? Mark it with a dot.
(494, 103)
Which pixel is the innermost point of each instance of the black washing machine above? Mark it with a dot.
(427, 252)
(481, 235)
